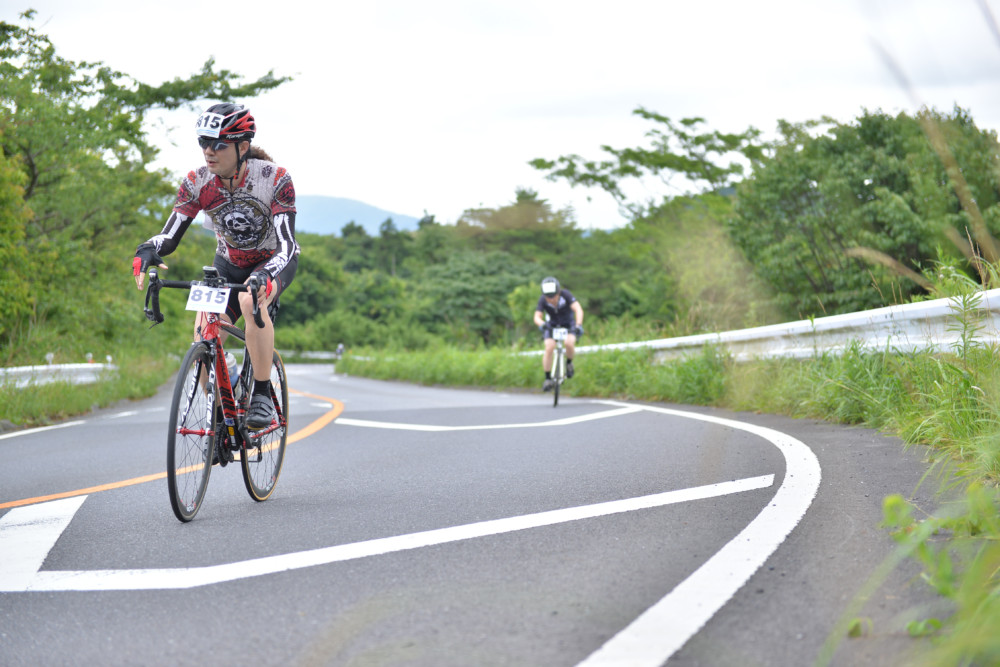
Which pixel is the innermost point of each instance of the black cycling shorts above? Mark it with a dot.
(550, 325)
(234, 274)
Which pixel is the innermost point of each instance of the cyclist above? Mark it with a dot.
(563, 310)
(249, 202)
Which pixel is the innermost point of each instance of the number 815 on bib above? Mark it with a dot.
(208, 299)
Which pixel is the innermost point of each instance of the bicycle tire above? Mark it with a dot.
(189, 454)
(558, 367)
(264, 450)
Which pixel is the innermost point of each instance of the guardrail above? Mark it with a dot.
(22, 376)
(925, 325)
(909, 327)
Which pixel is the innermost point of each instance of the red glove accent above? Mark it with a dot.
(136, 266)
(267, 292)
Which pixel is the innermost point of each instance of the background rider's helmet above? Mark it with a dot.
(229, 122)
(550, 286)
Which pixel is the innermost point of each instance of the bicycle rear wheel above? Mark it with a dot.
(190, 435)
(264, 454)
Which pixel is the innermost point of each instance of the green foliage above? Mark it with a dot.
(676, 150)
(844, 220)
(613, 374)
(76, 132)
(470, 290)
(527, 228)
(319, 282)
(16, 296)
(860, 627)
(139, 374)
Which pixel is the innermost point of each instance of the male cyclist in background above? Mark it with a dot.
(563, 310)
(250, 204)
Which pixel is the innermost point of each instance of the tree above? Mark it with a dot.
(677, 150)
(392, 246)
(76, 132)
(431, 244)
(16, 297)
(815, 215)
(527, 228)
(469, 292)
(319, 283)
(359, 248)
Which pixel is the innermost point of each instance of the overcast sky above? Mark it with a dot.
(438, 105)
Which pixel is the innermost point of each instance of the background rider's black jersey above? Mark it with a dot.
(560, 315)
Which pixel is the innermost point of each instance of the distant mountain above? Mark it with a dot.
(327, 215)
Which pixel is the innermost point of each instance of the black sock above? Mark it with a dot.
(548, 375)
(262, 387)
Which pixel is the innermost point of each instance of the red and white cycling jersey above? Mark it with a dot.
(254, 225)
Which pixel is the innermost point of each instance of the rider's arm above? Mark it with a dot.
(284, 226)
(166, 241)
(577, 311)
(283, 217)
(539, 318)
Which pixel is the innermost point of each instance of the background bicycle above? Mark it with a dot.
(558, 362)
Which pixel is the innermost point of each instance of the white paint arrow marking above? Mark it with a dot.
(39, 526)
(27, 534)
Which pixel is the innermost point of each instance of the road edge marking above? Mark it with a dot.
(660, 631)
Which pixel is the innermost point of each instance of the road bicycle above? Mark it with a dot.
(208, 410)
(558, 362)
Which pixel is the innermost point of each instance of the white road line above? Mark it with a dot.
(29, 431)
(429, 427)
(665, 627)
(127, 413)
(38, 531)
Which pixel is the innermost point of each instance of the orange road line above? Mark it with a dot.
(305, 432)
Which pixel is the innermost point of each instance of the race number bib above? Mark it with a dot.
(209, 124)
(208, 299)
(559, 333)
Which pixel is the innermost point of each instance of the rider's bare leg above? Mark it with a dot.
(260, 341)
(570, 346)
(550, 348)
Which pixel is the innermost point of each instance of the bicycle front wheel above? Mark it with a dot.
(191, 434)
(264, 453)
(559, 368)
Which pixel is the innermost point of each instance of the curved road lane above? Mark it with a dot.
(423, 526)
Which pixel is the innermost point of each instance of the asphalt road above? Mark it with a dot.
(425, 526)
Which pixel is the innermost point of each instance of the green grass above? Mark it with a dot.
(138, 376)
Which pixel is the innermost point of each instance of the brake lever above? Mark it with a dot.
(254, 287)
(153, 294)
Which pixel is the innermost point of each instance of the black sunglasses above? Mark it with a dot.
(216, 144)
